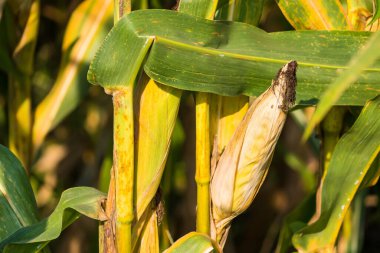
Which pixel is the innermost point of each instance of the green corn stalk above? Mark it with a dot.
(207, 10)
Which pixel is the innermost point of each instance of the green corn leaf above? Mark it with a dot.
(17, 204)
(248, 11)
(200, 8)
(86, 29)
(227, 58)
(363, 60)
(376, 11)
(193, 242)
(240, 10)
(74, 201)
(152, 146)
(350, 162)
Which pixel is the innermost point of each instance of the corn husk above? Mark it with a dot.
(225, 116)
(244, 163)
(146, 231)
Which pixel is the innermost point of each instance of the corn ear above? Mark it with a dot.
(244, 164)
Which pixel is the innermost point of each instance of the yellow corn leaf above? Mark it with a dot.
(156, 111)
(194, 242)
(358, 14)
(87, 28)
(314, 14)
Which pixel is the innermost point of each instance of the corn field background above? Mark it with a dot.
(189, 126)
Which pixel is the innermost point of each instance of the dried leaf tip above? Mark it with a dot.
(286, 80)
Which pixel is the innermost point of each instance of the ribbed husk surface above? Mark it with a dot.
(244, 163)
(156, 108)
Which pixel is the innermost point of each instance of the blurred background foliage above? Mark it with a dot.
(78, 152)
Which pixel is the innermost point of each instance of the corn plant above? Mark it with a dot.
(245, 82)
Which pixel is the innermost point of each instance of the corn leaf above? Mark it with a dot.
(314, 15)
(349, 164)
(152, 148)
(74, 201)
(364, 59)
(193, 242)
(200, 8)
(20, 9)
(240, 10)
(376, 11)
(227, 58)
(86, 29)
(20, 106)
(358, 13)
(248, 11)
(17, 204)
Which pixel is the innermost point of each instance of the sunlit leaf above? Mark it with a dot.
(193, 242)
(241, 10)
(376, 11)
(74, 201)
(152, 147)
(248, 11)
(200, 8)
(350, 162)
(86, 29)
(294, 221)
(227, 58)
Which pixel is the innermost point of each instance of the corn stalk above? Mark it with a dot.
(123, 159)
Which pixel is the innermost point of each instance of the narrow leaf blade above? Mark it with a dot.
(74, 201)
(228, 58)
(314, 15)
(193, 242)
(17, 203)
(86, 30)
(349, 164)
(363, 60)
